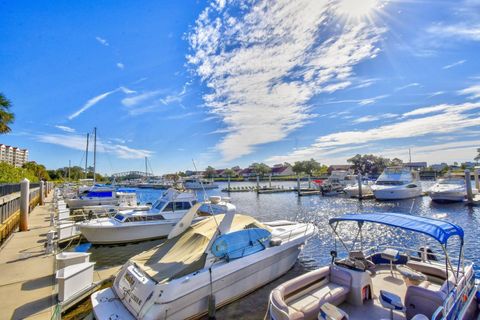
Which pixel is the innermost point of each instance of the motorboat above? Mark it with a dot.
(450, 189)
(384, 282)
(202, 267)
(336, 182)
(352, 190)
(397, 183)
(199, 184)
(94, 196)
(165, 213)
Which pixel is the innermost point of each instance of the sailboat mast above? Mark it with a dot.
(86, 157)
(410, 156)
(94, 153)
(146, 169)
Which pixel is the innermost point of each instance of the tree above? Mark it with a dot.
(477, 157)
(260, 169)
(396, 162)
(6, 117)
(210, 172)
(311, 166)
(299, 167)
(38, 170)
(368, 163)
(229, 172)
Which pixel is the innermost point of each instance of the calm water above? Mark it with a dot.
(317, 209)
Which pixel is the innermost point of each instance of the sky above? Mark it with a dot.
(225, 83)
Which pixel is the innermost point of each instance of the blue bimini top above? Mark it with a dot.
(440, 230)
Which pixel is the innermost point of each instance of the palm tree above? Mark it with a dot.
(6, 117)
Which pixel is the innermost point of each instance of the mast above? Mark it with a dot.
(86, 157)
(146, 170)
(94, 153)
(410, 156)
(69, 165)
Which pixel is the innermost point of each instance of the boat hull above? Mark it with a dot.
(122, 234)
(396, 193)
(447, 196)
(80, 203)
(188, 297)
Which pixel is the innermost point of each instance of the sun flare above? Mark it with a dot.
(358, 8)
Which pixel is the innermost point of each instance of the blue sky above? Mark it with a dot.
(232, 82)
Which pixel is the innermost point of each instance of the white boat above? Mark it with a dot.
(199, 184)
(94, 196)
(449, 190)
(384, 282)
(353, 192)
(336, 182)
(158, 222)
(396, 183)
(212, 262)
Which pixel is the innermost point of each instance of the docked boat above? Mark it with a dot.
(165, 213)
(207, 265)
(384, 282)
(94, 196)
(199, 184)
(336, 182)
(449, 190)
(397, 183)
(352, 190)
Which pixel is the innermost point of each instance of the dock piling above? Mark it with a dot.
(476, 173)
(359, 181)
(298, 184)
(42, 193)
(270, 181)
(468, 184)
(24, 204)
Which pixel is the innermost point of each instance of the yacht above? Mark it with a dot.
(165, 213)
(202, 267)
(336, 182)
(396, 183)
(353, 192)
(451, 189)
(93, 196)
(384, 282)
(199, 184)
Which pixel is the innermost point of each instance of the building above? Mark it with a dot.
(13, 155)
(282, 170)
(439, 167)
(340, 167)
(415, 165)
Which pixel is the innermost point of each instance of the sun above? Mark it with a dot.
(358, 9)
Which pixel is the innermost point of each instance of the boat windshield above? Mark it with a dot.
(159, 205)
(394, 176)
(119, 217)
(185, 253)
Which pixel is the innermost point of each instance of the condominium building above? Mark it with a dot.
(13, 155)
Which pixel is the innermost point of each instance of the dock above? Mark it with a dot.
(27, 281)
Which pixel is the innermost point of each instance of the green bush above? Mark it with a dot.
(12, 174)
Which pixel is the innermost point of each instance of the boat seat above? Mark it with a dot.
(302, 297)
(391, 301)
(358, 255)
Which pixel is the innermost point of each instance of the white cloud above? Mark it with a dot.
(120, 66)
(464, 31)
(140, 98)
(93, 101)
(371, 118)
(473, 91)
(65, 128)
(457, 63)
(364, 102)
(410, 85)
(263, 62)
(102, 41)
(449, 119)
(78, 143)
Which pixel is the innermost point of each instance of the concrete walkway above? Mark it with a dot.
(27, 282)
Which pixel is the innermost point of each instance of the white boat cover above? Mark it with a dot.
(185, 253)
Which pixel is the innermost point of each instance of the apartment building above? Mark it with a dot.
(13, 155)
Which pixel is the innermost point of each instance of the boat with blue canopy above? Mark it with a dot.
(385, 281)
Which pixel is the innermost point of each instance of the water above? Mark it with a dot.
(266, 207)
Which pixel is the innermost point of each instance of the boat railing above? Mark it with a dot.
(458, 301)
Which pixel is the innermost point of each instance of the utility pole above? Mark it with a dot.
(86, 157)
(69, 165)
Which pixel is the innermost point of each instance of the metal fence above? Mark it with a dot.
(9, 188)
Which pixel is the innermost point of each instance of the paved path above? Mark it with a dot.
(27, 283)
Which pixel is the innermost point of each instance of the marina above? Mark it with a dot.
(282, 206)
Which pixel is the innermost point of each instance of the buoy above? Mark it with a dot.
(211, 307)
